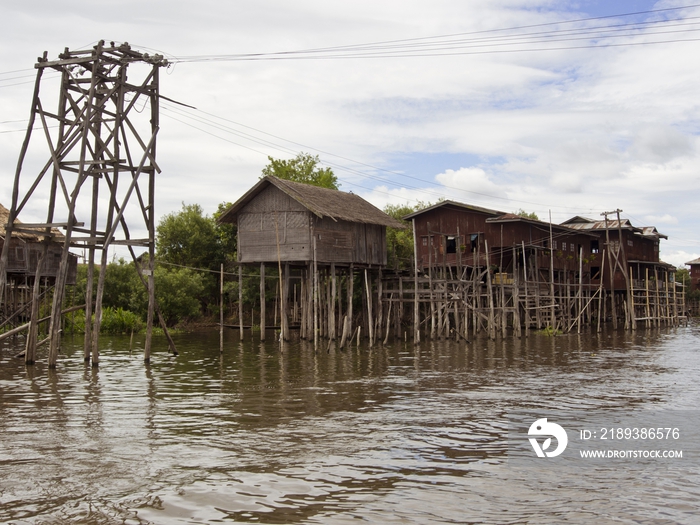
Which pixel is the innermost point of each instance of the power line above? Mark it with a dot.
(338, 167)
(404, 47)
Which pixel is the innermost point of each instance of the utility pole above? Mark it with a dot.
(620, 262)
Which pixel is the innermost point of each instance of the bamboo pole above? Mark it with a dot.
(517, 327)
(416, 308)
(601, 299)
(262, 301)
(553, 313)
(240, 301)
(331, 316)
(315, 295)
(370, 321)
(388, 319)
(221, 309)
(32, 334)
(491, 321)
(282, 302)
(579, 306)
(527, 297)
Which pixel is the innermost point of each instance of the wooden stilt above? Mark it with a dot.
(416, 309)
(240, 302)
(221, 309)
(262, 301)
(492, 318)
(331, 314)
(370, 323)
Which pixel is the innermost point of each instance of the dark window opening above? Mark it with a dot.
(451, 244)
(595, 248)
(474, 241)
(595, 272)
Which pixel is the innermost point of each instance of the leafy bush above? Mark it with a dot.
(114, 321)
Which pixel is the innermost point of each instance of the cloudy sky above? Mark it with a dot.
(568, 107)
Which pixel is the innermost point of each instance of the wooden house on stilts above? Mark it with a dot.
(33, 261)
(317, 239)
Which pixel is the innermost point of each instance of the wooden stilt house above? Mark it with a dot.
(312, 232)
(26, 248)
(694, 271)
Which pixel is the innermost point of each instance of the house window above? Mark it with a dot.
(451, 244)
(595, 272)
(554, 245)
(630, 242)
(595, 247)
(19, 253)
(474, 238)
(425, 241)
(563, 246)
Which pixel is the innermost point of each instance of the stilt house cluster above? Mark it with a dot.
(475, 269)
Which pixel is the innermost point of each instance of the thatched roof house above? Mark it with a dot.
(278, 218)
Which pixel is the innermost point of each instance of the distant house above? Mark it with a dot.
(25, 250)
(455, 234)
(640, 244)
(297, 223)
(694, 274)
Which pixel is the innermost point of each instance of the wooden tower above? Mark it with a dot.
(98, 173)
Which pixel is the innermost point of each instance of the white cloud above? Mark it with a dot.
(576, 131)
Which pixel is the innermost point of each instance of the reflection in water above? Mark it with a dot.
(388, 434)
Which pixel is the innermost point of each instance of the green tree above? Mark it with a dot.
(121, 283)
(180, 293)
(227, 233)
(189, 238)
(532, 215)
(399, 242)
(303, 168)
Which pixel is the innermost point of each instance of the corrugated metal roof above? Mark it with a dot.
(694, 261)
(599, 225)
(512, 217)
(652, 232)
(323, 202)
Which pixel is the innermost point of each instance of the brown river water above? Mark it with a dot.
(391, 434)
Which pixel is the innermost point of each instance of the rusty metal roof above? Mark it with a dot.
(582, 223)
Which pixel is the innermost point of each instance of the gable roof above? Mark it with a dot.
(455, 204)
(694, 261)
(653, 233)
(582, 223)
(322, 202)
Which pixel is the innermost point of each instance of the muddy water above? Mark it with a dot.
(396, 434)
